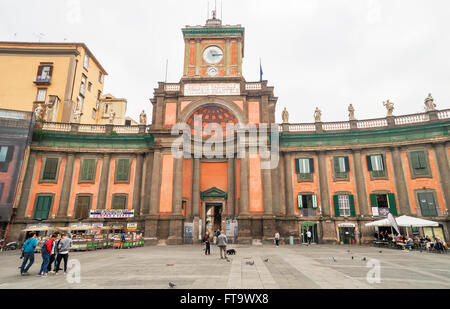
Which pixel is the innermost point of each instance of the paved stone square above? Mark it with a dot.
(290, 267)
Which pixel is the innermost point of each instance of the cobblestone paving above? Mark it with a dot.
(289, 267)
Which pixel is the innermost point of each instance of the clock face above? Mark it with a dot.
(212, 71)
(213, 55)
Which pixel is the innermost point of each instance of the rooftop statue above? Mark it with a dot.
(143, 118)
(429, 103)
(317, 115)
(351, 112)
(76, 116)
(112, 114)
(389, 107)
(285, 116)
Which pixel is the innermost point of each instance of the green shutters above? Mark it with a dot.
(299, 201)
(314, 200)
(341, 167)
(369, 163)
(83, 205)
(297, 168)
(352, 205)
(427, 204)
(119, 201)
(50, 169)
(376, 164)
(122, 170)
(87, 171)
(418, 163)
(43, 203)
(392, 204)
(311, 166)
(373, 200)
(336, 206)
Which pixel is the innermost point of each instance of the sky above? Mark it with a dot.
(316, 53)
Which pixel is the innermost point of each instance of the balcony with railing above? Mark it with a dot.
(43, 80)
(309, 212)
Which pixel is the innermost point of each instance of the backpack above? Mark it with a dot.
(44, 247)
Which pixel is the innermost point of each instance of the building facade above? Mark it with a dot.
(329, 178)
(65, 79)
(16, 128)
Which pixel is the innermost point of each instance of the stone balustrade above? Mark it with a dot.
(253, 86)
(172, 87)
(367, 124)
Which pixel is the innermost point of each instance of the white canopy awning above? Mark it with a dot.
(405, 221)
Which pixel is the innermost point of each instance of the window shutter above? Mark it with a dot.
(50, 169)
(415, 160)
(297, 168)
(314, 199)
(122, 169)
(311, 166)
(336, 165)
(9, 154)
(392, 204)
(336, 206)
(40, 68)
(373, 200)
(369, 164)
(421, 159)
(351, 199)
(347, 164)
(299, 201)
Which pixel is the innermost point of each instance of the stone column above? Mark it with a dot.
(137, 185)
(151, 222)
(231, 186)
(244, 220)
(444, 172)
(360, 181)
(176, 221)
(147, 184)
(104, 179)
(26, 188)
(196, 188)
(401, 187)
(289, 186)
(323, 184)
(66, 187)
(276, 189)
(268, 217)
(198, 57)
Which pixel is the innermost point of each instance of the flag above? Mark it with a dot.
(260, 70)
(391, 219)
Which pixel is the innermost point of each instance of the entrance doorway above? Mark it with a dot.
(213, 217)
(347, 235)
(309, 226)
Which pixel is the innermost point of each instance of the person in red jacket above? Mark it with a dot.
(46, 252)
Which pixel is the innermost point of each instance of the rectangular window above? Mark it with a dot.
(41, 95)
(119, 201)
(94, 114)
(122, 170)
(3, 152)
(83, 84)
(89, 86)
(427, 204)
(341, 167)
(344, 205)
(100, 77)
(50, 169)
(376, 165)
(80, 102)
(86, 61)
(87, 171)
(42, 208)
(304, 166)
(83, 205)
(418, 163)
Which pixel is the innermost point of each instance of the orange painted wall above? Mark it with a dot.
(46, 188)
(84, 188)
(123, 188)
(380, 184)
(253, 112)
(170, 117)
(240, 104)
(5, 178)
(192, 53)
(165, 204)
(233, 53)
(255, 184)
(214, 174)
(184, 104)
(187, 183)
(335, 186)
(305, 186)
(419, 183)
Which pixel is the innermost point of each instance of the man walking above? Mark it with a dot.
(222, 244)
(308, 236)
(46, 252)
(28, 254)
(277, 238)
(63, 252)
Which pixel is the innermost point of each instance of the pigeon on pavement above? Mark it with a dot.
(266, 260)
(334, 260)
(364, 259)
(171, 284)
(251, 262)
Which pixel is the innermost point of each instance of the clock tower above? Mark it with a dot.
(213, 50)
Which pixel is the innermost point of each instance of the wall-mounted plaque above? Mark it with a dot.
(212, 89)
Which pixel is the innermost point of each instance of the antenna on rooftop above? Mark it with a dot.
(39, 35)
(221, 9)
(167, 65)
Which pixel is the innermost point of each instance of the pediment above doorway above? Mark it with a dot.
(213, 193)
